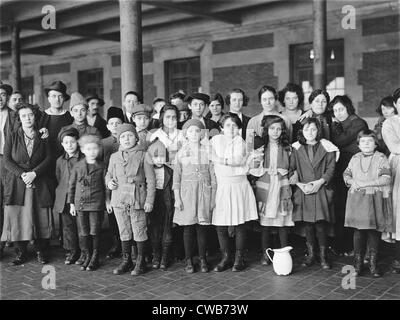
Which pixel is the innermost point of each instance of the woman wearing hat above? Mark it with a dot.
(27, 195)
(93, 116)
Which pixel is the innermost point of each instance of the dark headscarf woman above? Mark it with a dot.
(345, 128)
(27, 196)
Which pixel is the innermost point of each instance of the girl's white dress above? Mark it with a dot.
(235, 202)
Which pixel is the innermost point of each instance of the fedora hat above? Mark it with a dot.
(58, 86)
(7, 88)
(95, 96)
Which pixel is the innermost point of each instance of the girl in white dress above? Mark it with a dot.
(273, 192)
(235, 203)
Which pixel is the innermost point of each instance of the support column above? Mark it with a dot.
(319, 20)
(15, 58)
(131, 46)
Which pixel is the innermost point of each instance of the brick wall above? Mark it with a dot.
(379, 77)
(250, 78)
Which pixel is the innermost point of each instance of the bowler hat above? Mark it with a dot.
(95, 96)
(58, 86)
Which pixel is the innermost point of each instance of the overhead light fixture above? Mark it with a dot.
(332, 55)
(312, 54)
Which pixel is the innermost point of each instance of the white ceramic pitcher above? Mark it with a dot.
(282, 261)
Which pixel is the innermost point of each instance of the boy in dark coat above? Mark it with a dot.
(69, 140)
(163, 210)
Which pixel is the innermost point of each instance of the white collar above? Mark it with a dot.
(48, 111)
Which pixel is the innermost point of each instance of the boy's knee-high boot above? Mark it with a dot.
(84, 253)
(134, 252)
(373, 267)
(140, 266)
(310, 259)
(94, 259)
(226, 261)
(239, 264)
(126, 264)
(166, 252)
(324, 258)
(156, 255)
(86, 250)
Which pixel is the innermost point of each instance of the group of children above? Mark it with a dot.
(159, 172)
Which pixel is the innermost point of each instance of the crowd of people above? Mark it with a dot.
(195, 167)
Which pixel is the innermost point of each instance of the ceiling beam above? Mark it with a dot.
(195, 10)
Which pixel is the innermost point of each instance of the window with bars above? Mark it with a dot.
(301, 67)
(182, 75)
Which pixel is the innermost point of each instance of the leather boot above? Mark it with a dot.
(134, 253)
(83, 245)
(203, 265)
(225, 263)
(20, 250)
(72, 257)
(94, 261)
(86, 262)
(264, 258)
(239, 264)
(324, 258)
(155, 263)
(1, 249)
(115, 250)
(373, 268)
(126, 264)
(165, 257)
(310, 259)
(41, 257)
(140, 266)
(396, 266)
(189, 268)
(358, 264)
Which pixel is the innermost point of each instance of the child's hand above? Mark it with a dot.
(112, 184)
(148, 207)
(178, 204)
(109, 208)
(314, 186)
(72, 210)
(44, 132)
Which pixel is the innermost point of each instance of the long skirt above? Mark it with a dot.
(27, 222)
(394, 161)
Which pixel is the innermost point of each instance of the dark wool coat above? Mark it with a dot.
(101, 125)
(64, 168)
(87, 187)
(167, 196)
(319, 205)
(17, 161)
